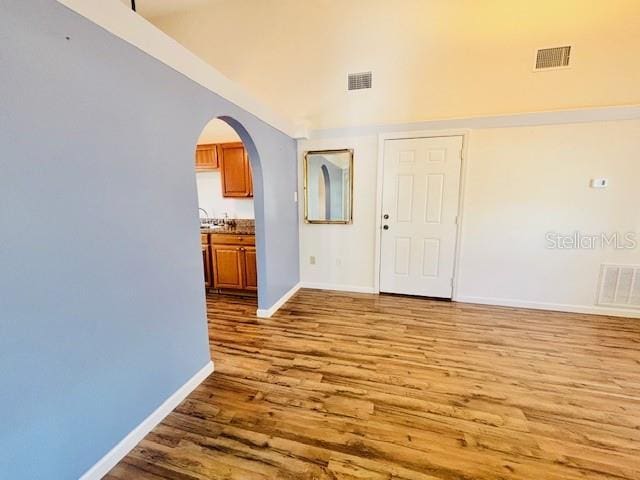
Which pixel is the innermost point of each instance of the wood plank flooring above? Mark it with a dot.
(355, 386)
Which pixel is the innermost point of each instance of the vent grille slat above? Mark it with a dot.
(556, 57)
(635, 289)
(359, 81)
(623, 293)
(620, 286)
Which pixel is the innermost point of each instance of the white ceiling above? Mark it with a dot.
(218, 131)
(431, 59)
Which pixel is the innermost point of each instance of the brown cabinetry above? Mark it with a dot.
(236, 170)
(207, 157)
(227, 267)
(206, 260)
(233, 162)
(232, 262)
(250, 269)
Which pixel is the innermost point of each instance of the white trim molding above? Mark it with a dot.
(268, 312)
(555, 307)
(339, 288)
(116, 18)
(382, 137)
(524, 119)
(134, 437)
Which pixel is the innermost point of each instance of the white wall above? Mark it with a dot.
(430, 59)
(210, 198)
(525, 182)
(521, 183)
(344, 253)
(210, 183)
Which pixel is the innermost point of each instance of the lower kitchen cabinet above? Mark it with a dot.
(206, 263)
(250, 269)
(227, 267)
(233, 262)
(206, 259)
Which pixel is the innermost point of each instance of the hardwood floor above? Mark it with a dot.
(354, 386)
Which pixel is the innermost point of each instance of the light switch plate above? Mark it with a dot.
(599, 183)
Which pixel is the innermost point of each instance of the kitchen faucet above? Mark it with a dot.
(206, 220)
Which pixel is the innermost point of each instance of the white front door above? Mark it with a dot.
(421, 186)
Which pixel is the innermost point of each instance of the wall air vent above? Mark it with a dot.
(551, 58)
(359, 81)
(620, 286)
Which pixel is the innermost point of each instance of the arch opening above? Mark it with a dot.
(229, 184)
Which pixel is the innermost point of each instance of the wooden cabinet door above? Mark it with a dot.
(206, 263)
(250, 269)
(250, 178)
(207, 157)
(236, 172)
(228, 266)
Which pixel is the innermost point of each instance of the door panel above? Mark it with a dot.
(421, 185)
(402, 257)
(404, 201)
(251, 271)
(206, 263)
(430, 257)
(228, 271)
(236, 173)
(206, 157)
(249, 174)
(434, 199)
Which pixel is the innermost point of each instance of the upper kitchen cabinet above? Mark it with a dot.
(236, 170)
(207, 157)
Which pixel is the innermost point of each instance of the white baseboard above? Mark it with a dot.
(557, 307)
(338, 287)
(268, 312)
(134, 437)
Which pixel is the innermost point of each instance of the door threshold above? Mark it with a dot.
(420, 297)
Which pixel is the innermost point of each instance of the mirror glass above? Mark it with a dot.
(328, 186)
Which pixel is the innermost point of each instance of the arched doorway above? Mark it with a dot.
(229, 181)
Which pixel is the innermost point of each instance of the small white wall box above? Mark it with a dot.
(599, 183)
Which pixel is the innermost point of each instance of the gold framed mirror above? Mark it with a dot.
(328, 186)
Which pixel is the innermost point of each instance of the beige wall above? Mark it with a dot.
(431, 58)
(520, 184)
(525, 182)
(343, 253)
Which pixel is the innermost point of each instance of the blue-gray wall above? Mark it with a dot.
(101, 296)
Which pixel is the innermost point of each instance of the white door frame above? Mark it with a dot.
(382, 137)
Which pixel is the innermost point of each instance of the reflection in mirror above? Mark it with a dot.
(328, 186)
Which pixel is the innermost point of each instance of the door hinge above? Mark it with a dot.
(461, 154)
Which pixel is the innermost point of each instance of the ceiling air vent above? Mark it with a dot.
(557, 57)
(620, 286)
(359, 81)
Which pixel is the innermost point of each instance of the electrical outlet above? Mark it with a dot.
(295, 197)
(312, 260)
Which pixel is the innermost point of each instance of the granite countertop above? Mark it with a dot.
(241, 227)
(231, 230)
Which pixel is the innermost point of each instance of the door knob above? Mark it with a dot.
(386, 227)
